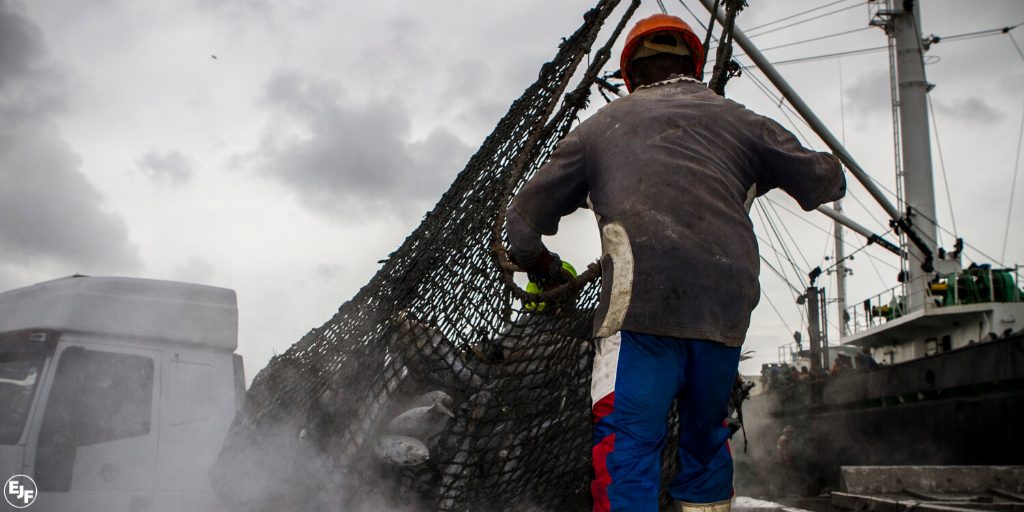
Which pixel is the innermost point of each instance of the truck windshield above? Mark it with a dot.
(19, 376)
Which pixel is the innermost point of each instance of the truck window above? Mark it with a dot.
(22, 357)
(19, 374)
(97, 397)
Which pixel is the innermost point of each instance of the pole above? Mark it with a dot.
(814, 327)
(840, 275)
(798, 104)
(916, 144)
(860, 229)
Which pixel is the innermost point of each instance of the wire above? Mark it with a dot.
(662, 6)
(828, 239)
(880, 48)
(818, 38)
(782, 242)
(819, 228)
(701, 23)
(850, 256)
(780, 102)
(781, 276)
(772, 304)
(842, 106)
(786, 229)
(829, 56)
(796, 15)
(830, 13)
(1016, 163)
(865, 208)
(980, 33)
(776, 251)
(1013, 186)
(761, 217)
(942, 164)
(1012, 39)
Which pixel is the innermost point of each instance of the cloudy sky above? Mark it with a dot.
(281, 148)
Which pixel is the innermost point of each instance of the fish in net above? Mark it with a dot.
(434, 388)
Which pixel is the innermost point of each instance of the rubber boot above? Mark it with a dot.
(718, 506)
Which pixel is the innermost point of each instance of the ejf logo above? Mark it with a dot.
(20, 491)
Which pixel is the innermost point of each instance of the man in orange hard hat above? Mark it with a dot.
(670, 171)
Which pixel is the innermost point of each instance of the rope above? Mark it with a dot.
(710, 30)
(437, 317)
(725, 68)
(515, 177)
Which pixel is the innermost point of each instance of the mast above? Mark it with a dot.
(814, 297)
(830, 140)
(916, 224)
(905, 23)
(840, 275)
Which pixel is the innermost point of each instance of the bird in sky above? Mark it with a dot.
(214, 57)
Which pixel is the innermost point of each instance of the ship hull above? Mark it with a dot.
(962, 407)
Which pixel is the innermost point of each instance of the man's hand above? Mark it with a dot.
(546, 270)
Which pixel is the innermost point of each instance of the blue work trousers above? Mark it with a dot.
(635, 378)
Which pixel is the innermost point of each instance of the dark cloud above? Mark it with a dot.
(973, 109)
(49, 212)
(30, 85)
(20, 45)
(352, 161)
(170, 168)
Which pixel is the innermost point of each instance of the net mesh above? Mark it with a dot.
(440, 315)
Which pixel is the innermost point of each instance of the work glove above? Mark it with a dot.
(546, 270)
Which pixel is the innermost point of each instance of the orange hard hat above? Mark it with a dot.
(660, 23)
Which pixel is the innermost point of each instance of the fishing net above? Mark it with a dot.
(441, 315)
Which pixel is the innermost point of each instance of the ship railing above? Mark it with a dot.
(789, 353)
(876, 310)
(967, 286)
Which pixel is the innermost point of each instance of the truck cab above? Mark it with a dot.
(117, 392)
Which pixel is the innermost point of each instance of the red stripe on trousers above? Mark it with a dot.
(728, 448)
(604, 406)
(599, 487)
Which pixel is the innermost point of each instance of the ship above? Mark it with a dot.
(927, 373)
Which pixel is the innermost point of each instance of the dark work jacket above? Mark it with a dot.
(670, 172)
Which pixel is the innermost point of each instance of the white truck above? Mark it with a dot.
(116, 393)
